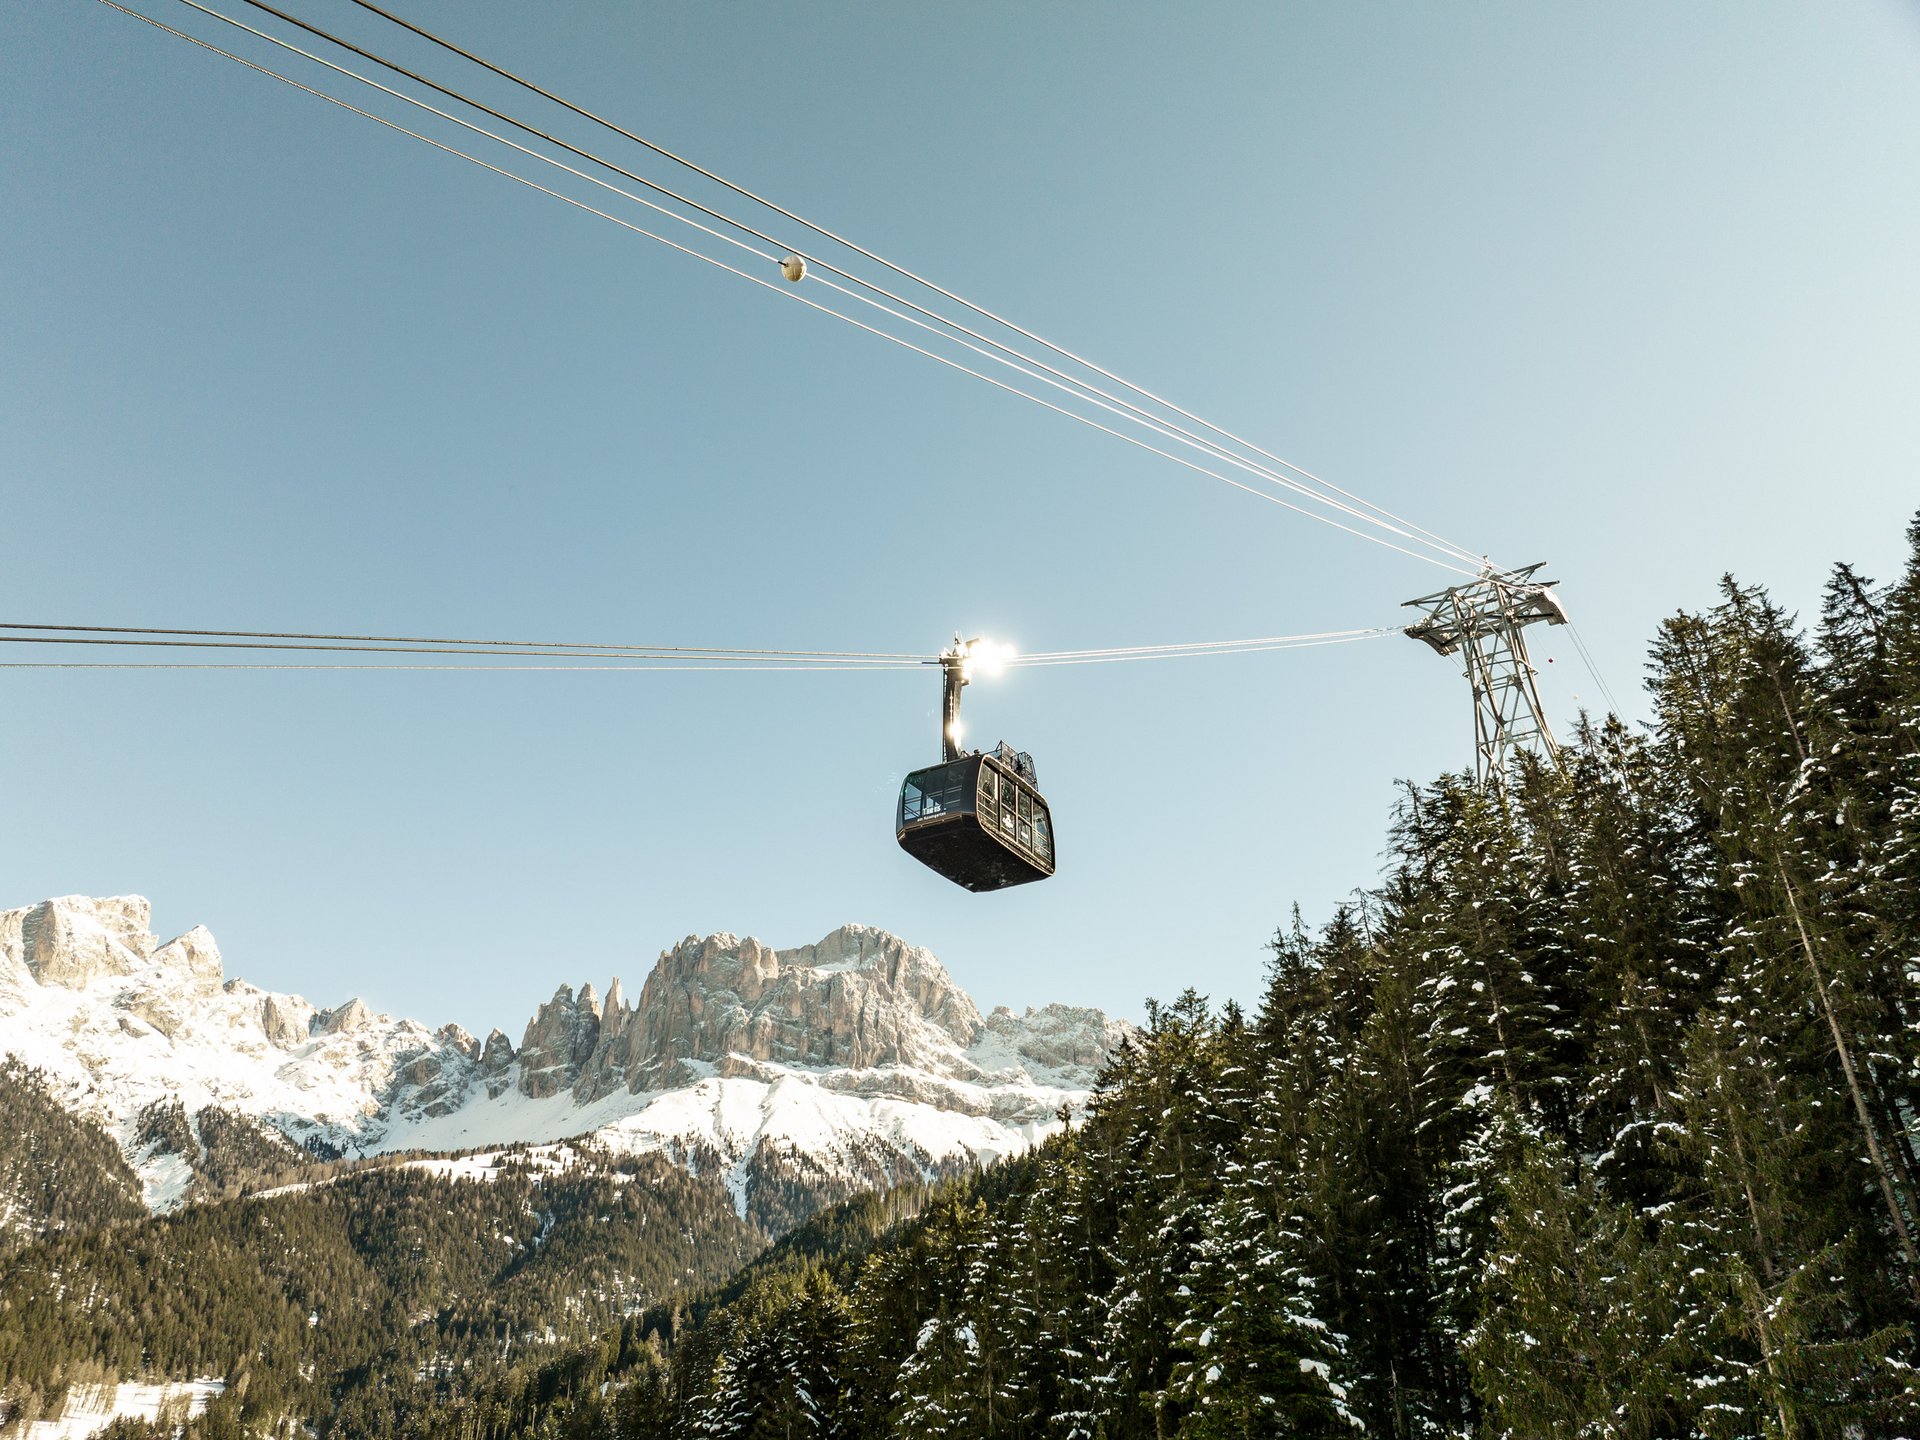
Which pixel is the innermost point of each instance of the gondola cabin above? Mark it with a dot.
(979, 820)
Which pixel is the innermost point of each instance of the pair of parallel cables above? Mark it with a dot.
(1031, 367)
(514, 655)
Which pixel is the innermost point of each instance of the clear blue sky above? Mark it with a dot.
(1626, 288)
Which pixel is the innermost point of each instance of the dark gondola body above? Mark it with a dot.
(979, 820)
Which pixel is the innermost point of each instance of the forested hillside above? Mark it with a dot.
(357, 1301)
(1593, 1117)
(56, 1172)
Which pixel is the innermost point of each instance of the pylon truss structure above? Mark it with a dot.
(1486, 621)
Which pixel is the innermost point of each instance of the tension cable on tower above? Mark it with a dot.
(794, 267)
(654, 657)
(800, 260)
(1446, 554)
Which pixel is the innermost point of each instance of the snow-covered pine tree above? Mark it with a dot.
(778, 1374)
(1157, 1144)
(938, 1389)
(1491, 988)
(1776, 835)
(1631, 918)
(1777, 1349)
(1582, 1327)
(1257, 1357)
(1057, 1264)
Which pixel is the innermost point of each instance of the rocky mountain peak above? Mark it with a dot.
(1071, 1038)
(284, 1020)
(559, 1042)
(345, 1019)
(193, 954)
(859, 998)
(908, 972)
(74, 940)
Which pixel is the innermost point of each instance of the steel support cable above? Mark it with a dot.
(51, 634)
(1204, 654)
(636, 668)
(462, 98)
(467, 125)
(485, 109)
(1202, 645)
(445, 44)
(744, 661)
(998, 352)
(698, 255)
(757, 280)
(666, 659)
(1223, 647)
(489, 669)
(1593, 669)
(718, 651)
(1126, 410)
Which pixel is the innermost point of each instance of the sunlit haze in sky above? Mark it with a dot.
(1629, 289)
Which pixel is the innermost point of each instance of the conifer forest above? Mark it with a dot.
(1593, 1116)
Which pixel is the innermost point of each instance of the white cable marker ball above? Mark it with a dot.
(794, 268)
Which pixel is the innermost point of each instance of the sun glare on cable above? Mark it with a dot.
(988, 659)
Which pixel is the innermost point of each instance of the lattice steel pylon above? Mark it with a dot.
(1486, 619)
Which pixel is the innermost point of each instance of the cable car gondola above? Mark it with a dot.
(977, 818)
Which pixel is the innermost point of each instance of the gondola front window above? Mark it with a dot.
(912, 797)
(928, 794)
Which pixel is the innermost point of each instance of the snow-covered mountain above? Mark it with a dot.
(812, 1072)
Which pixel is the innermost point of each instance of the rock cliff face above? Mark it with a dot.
(560, 1040)
(849, 1061)
(860, 999)
(73, 941)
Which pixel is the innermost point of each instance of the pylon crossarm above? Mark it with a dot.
(1486, 619)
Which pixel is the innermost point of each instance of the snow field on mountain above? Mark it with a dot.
(734, 1117)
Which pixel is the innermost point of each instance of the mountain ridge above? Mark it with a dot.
(852, 1061)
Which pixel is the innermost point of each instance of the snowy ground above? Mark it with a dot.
(91, 1408)
(734, 1116)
